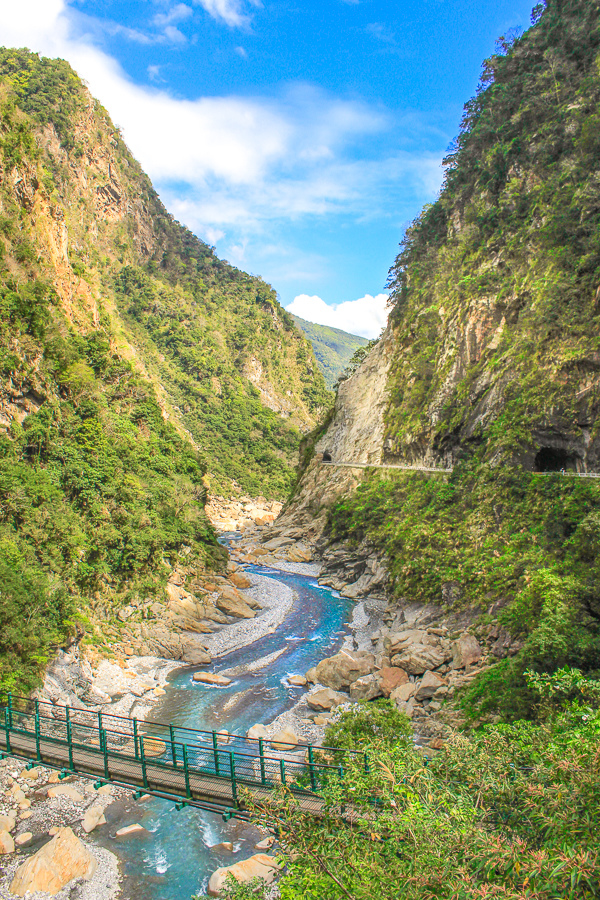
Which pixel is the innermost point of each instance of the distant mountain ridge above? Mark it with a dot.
(333, 347)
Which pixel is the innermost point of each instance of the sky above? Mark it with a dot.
(297, 137)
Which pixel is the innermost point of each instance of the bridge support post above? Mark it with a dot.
(136, 740)
(367, 766)
(311, 768)
(186, 769)
(173, 751)
(69, 737)
(282, 770)
(38, 752)
(215, 752)
(143, 759)
(10, 710)
(104, 747)
(234, 793)
(261, 750)
(7, 728)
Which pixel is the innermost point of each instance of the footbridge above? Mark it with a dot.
(211, 770)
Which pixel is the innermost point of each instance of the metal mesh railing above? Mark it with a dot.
(119, 749)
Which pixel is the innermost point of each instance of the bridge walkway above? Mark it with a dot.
(199, 772)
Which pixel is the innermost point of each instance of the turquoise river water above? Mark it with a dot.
(175, 861)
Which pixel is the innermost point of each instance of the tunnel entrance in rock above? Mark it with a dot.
(553, 459)
(327, 456)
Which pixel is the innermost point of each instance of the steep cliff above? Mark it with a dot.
(134, 365)
(494, 368)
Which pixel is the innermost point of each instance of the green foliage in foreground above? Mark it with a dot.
(333, 348)
(511, 812)
(529, 543)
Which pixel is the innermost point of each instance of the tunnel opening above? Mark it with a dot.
(553, 459)
(327, 456)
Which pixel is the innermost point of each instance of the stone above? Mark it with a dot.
(419, 659)
(265, 844)
(240, 580)
(7, 844)
(135, 830)
(428, 685)
(211, 678)
(7, 823)
(223, 736)
(465, 651)
(152, 747)
(30, 774)
(403, 693)
(285, 739)
(365, 688)
(325, 699)
(159, 692)
(258, 866)
(255, 732)
(278, 543)
(299, 553)
(94, 816)
(53, 779)
(232, 603)
(297, 680)
(56, 864)
(322, 720)
(25, 804)
(27, 814)
(23, 839)
(391, 677)
(65, 790)
(106, 789)
(406, 707)
(54, 830)
(226, 846)
(193, 654)
(18, 794)
(340, 671)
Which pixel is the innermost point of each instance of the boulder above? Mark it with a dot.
(192, 653)
(232, 603)
(297, 680)
(366, 688)
(256, 732)
(226, 846)
(419, 658)
(325, 699)
(56, 864)
(284, 740)
(403, 693)
(406, 706)
(340, 671)
(7, 823)
(429, 684)
(465, 651)
(65, 790)
(391, 677)
(211, 678)
(7, 844)
(258, 866)
(135, 830)
(299, 553)
(94, 816)
(265, 844)
(277, 543)
(23, 839)
(30, 774)
(240, 580)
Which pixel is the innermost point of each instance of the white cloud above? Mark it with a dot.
(229, 11)
(366, 316)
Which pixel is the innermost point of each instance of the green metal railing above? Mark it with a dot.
(208, 767)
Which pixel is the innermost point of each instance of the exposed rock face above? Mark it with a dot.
(258, 866)
(340, 671)
(57, 863)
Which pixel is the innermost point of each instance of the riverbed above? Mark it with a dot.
(175, 861)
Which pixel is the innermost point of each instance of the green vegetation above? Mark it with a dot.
(333, 348)
(508, 812)
(497, 335)
(134, 365)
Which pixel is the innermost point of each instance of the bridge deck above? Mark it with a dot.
(199, 774)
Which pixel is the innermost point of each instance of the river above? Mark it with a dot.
(175, 861)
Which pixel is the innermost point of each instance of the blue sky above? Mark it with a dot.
(298, 137)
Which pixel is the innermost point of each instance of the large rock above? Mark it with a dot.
(256, 732)
(57, 863)
(299, 553)
(65, 790)
(258, 866)
(94, 816)
(286, 739)
(211, 678)
(7, 823)
(7, 844)
(325, 699)
(135, 830)
(192, 653)
(340, 671)
(403, 693)
(231, 602)
(391, 677)
(465, 651)
(366, 688)
(430, 683)
(240, 580)
(416, 651)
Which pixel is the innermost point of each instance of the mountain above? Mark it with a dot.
(135, 366)
(333, 347)
(491, 365)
